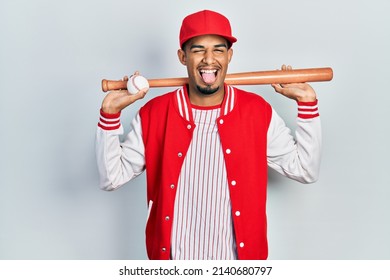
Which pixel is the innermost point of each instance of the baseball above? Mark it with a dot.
(136, 83)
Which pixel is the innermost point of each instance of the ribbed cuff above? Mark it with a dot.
(109, 121)
(308, 110)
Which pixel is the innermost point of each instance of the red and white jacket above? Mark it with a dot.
(253, 137)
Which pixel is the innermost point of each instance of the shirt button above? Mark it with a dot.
(221, 121)
(242, 244)
(238, 213)
(228, 151)
(234, 183)
(179, 154)
(189, 126)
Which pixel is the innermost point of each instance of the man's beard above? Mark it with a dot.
(207, 90)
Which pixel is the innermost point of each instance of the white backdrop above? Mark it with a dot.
(53, 55)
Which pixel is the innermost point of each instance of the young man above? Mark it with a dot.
(205, 148)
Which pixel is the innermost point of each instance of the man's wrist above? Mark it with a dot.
(110, 110)
(311, 98)
(109, 115)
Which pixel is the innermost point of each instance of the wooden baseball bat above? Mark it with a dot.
(244, 78)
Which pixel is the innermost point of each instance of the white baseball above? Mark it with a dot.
(136, 83)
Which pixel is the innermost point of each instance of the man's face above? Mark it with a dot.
(207, 58)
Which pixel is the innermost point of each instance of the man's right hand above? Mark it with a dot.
(115, 101)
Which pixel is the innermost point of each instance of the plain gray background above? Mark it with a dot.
(53, 55)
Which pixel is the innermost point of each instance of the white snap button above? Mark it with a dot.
(179, 154)
(228, 151)
(242, 244)
(238, 213)
(234, 183)
(167, 218)
(221, 121)
(164, 249)
(172, 186)
(189, 126)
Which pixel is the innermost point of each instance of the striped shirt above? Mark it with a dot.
(202, 226)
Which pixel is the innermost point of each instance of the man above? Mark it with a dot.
(206, 148)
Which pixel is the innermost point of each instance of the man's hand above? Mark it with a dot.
(115, 101)
(298, 91)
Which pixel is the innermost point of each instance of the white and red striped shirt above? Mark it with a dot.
(202, 226)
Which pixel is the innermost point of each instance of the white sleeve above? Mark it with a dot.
(119, 162)
(298, 158)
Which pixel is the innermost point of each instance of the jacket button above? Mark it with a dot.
(228, 151)
(172, 186)
(242, 244)
(234, 183)
(163, 249)
(238, 213)
(221, 121)
(167, 218)
(189, 126)
(179, 154)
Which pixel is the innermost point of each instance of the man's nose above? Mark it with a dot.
(208, 57)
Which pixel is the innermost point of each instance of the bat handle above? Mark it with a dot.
(108, 85)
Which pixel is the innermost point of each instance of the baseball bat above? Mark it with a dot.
(243, 78)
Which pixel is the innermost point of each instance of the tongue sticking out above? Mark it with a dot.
(209, 78)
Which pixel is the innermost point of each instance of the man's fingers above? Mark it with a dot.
(126, 78)
(277, 87)
(294, 85)
(286, 67)
(140, 94)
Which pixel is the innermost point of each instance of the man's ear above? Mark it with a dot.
(230, 54)
(182, 56)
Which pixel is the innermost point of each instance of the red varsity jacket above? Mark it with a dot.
(167, 132)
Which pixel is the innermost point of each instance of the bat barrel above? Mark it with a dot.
(280, 77)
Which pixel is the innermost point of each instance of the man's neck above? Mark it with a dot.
(204, 100)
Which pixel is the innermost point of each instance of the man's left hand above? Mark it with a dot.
(301, 92)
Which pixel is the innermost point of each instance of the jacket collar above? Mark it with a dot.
(184, 105)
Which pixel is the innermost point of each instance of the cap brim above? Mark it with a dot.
(230, 39)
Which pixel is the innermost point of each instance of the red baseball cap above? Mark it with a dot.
(204, 23)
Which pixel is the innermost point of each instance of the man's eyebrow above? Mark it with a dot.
(196, 47)
(221, 46)
(202, 47)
